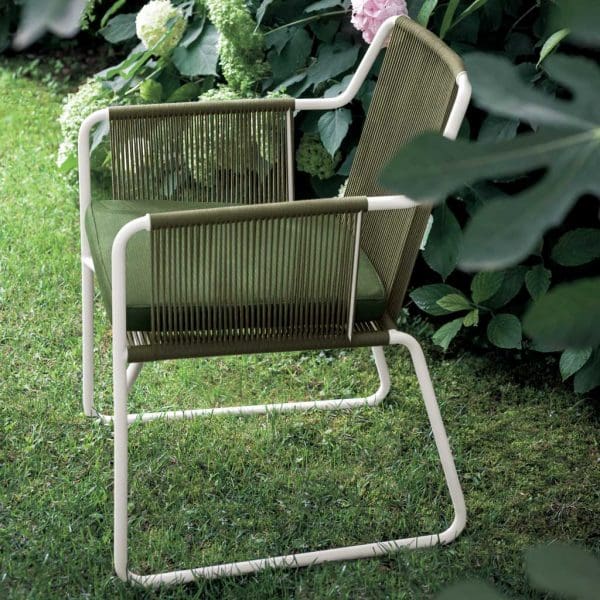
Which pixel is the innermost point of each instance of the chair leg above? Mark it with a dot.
(439, 432)
(87, 317)
(120, 391)
(291, 560)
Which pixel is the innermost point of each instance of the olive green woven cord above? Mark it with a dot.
(414, 93)
(232, 151)
(271, 277)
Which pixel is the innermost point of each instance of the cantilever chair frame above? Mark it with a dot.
(125, 372)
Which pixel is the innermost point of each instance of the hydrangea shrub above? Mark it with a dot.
(159, 25)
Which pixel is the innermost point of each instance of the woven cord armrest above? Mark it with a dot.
(252, 273)
(237, 152)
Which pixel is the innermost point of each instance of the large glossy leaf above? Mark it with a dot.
(588, 377)
(443, 243)
(567, 316)
(499, 88)
(537, 281)
(333, 127)
(582, 17)
(119, 28)
(485, 284)
(565, 571)
(577, 247)
(446, 333)
(505, 331)
(572, 360)
(332, 60)
(427, 296)
(505, 230)
(454, 303)
(293, 56)
(512, 282)
(200, 57)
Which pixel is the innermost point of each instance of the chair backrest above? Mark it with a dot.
(415, 91)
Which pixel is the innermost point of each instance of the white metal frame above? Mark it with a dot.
(125, 374)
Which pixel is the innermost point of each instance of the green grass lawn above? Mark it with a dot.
(234, 488)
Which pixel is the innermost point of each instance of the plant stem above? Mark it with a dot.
(309, 19)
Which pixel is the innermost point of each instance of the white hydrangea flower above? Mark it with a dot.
(78, 106)
(152, 23)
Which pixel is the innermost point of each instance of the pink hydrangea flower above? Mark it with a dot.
(368, 15)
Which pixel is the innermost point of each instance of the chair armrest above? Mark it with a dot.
(299, 208)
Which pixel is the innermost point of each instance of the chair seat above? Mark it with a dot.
(104, 219)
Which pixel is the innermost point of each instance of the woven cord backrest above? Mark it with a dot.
(232, 151)
(414, 93)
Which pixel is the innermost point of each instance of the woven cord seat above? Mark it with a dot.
(203, 251)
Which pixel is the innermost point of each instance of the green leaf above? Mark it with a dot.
(322, 5)
(581, 76)
(485, 284)
(193, 32)
(471, 590)
(506, 231)
(551, 44)
(332, 60)
(474, 6)
(100, 132)
(119, 28)
(115, 7)
(443, 243)
(293, 56)
(565, 571)
(448, 17)
(567, 316)
(496, 129)
(581, 17)
(537, 281)
(472, 318)
(446, 333)
(199, 58)
(577, 247)
(151, 91)
(333, 127)
(511, 285)
(588, 377)
(454, 303)
(431, 167)
(499, 89)
(338, 88)
(427, 296)
(571, 360)
(426, 11)
(505, 331)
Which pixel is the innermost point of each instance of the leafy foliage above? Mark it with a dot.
(534, 154)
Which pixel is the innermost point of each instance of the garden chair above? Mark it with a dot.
(203, 252)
